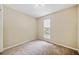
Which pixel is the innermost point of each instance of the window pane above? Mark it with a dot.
(47, 23)
(46, 28)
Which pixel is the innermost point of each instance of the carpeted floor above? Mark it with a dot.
(39, 47)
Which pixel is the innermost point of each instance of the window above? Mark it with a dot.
(46, 28)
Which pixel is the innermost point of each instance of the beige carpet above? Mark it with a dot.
(39, 47)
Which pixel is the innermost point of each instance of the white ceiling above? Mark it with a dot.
(38, 11)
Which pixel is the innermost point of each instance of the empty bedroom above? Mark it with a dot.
(39, 29)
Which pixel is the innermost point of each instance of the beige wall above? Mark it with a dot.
(1, 30)
(78, 26)
(40, 28)
(63, 29)
(18, 27)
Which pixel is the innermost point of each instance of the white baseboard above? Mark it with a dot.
(61, 45)
(16, 45)
(67, 46)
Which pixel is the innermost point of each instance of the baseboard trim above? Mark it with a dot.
(16, 45)
(61, 45)
(67, 46)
